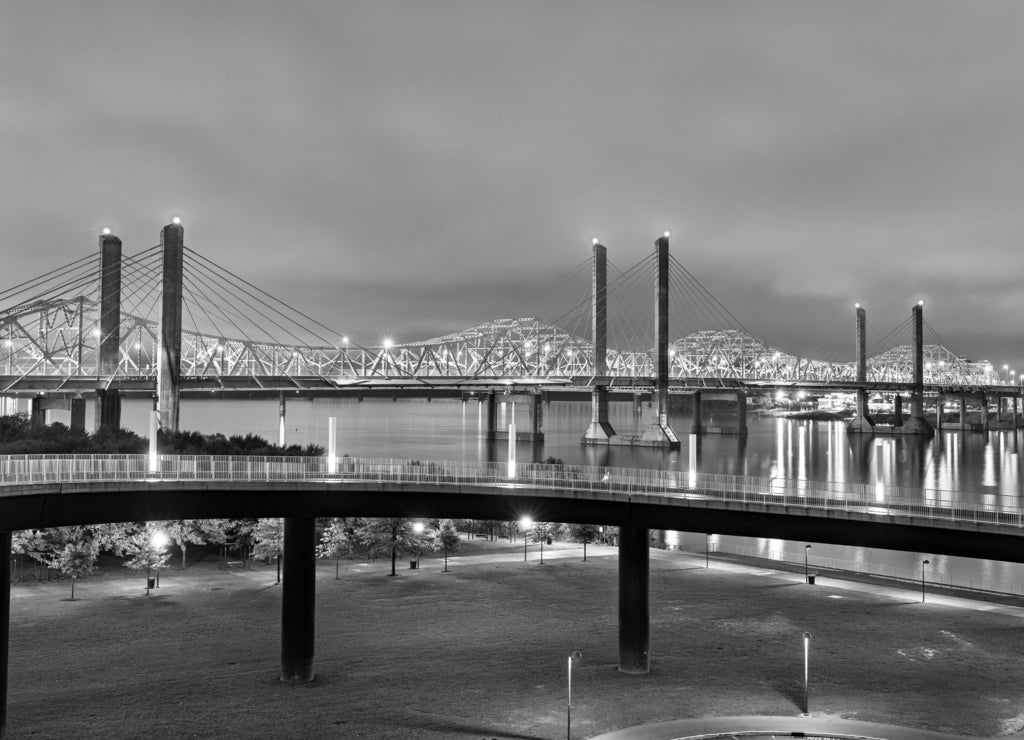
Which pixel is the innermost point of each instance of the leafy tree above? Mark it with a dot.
(146, 550)
(185, 532)
(71, 551)
(268, 541)
(338, 538)
(389, 536)
(448, 537)
(585, 533)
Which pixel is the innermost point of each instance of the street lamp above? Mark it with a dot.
(417, 528)
(923, 563)
(807, 662)
(525, 524)
(807, 577)
(157, 542)
(574, 655)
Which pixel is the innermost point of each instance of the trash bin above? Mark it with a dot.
(150, 583)
(413, 565)
(810, 578)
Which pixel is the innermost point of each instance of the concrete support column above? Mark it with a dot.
(660, 434)
(492, 416)
(862, 422)
(37, 413)
(78, 414)
(917, 423)
(741, 412)
(537, 417)
(168, 376)
(897, 409)
(938, 412)
(108, 408)
(1014, 412)
(298, 599)
(600, 429)
(963, 413)
(634, 607)
(984, 411)
(5, 624)
(698, 426)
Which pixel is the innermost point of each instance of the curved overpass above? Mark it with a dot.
(46, 491)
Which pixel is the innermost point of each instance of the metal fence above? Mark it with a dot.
(663, 486)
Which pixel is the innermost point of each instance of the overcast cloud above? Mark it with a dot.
(411, 168)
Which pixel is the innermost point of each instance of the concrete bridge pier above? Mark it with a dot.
(1015, 417)
(862, 423)
(600, 430)
(939, 401)
(108, 401)
(634, 606)
(917, 423)
(963, 413)
(897, 410)
(298, 599)
(660, 433)
(697, 427)
(168, 377)
(5, 624)
(78, 414)
(37, 412)
(740, 398)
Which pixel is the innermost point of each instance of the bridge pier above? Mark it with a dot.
(600, 430)
(536, 406)
(939, 401)
(634, 606)
(108, 401)
(697, 427)
(660, 433)
(298, 599)
(740, 427)
(897, 410)
(168, 378)
(78, 414)
(862, 423)
(37, 412)
(917, 423)
(5, 624)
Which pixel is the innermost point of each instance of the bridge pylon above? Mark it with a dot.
(108, 400)
(917, 423)
(168, 378)
(600, 430)
(862, 422)
(660, 433)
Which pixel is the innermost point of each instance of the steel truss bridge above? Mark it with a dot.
(51, 339)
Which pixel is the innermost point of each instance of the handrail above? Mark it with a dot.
(806, 496)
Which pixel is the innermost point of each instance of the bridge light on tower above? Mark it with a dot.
(106, 232)
(667, 234)
(176, 221)
(595, 241)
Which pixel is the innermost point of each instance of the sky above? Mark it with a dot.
(408, 169)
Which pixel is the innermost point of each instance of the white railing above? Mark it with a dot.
(802, 496)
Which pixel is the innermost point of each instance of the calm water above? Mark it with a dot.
(452, 430)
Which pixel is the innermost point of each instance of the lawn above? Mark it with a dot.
(480, 652)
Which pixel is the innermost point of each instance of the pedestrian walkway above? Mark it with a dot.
(771, 728)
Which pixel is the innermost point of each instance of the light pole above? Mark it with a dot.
(525, 523)
(807, 663)
(574, 655)
(417, 528)
(157, 542)
(807, 577)
(923, 563)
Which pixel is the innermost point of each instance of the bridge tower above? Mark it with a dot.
(660, 434)
(108, 402)
(863, 421)
(917, 423)
(168, 378)
(600, 430)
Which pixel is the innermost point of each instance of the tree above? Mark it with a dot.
(71, 551)
(147, 549)
(448, 537)
(338, 538)
(390, 536)
(585, 533)
(185, 532)
(268, 541)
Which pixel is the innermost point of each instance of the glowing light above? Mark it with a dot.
(417, 527)
(95, 332)
(388, 342)
(176, 221)
(159, 540)
(344, 340)
(595, 240)
(920, 303)
(856, 305)
(106, 232)
(525, 523)
(547, 347)
(138, 345)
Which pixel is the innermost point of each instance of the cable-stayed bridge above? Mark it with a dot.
(168, 319)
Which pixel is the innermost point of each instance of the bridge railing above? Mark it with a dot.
(689, 487)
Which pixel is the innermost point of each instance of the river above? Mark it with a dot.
(776, 447)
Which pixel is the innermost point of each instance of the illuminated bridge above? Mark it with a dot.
(167, 321)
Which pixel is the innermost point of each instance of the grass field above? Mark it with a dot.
(480, 652)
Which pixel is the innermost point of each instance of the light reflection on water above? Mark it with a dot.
(984, 463)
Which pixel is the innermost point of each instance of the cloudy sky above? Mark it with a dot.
(411, 168)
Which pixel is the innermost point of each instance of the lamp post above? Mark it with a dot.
(807, 577)
(923, 563)
(417, 528)
(525, 523)
(574, 655)
(807, 663)
(157, 542)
